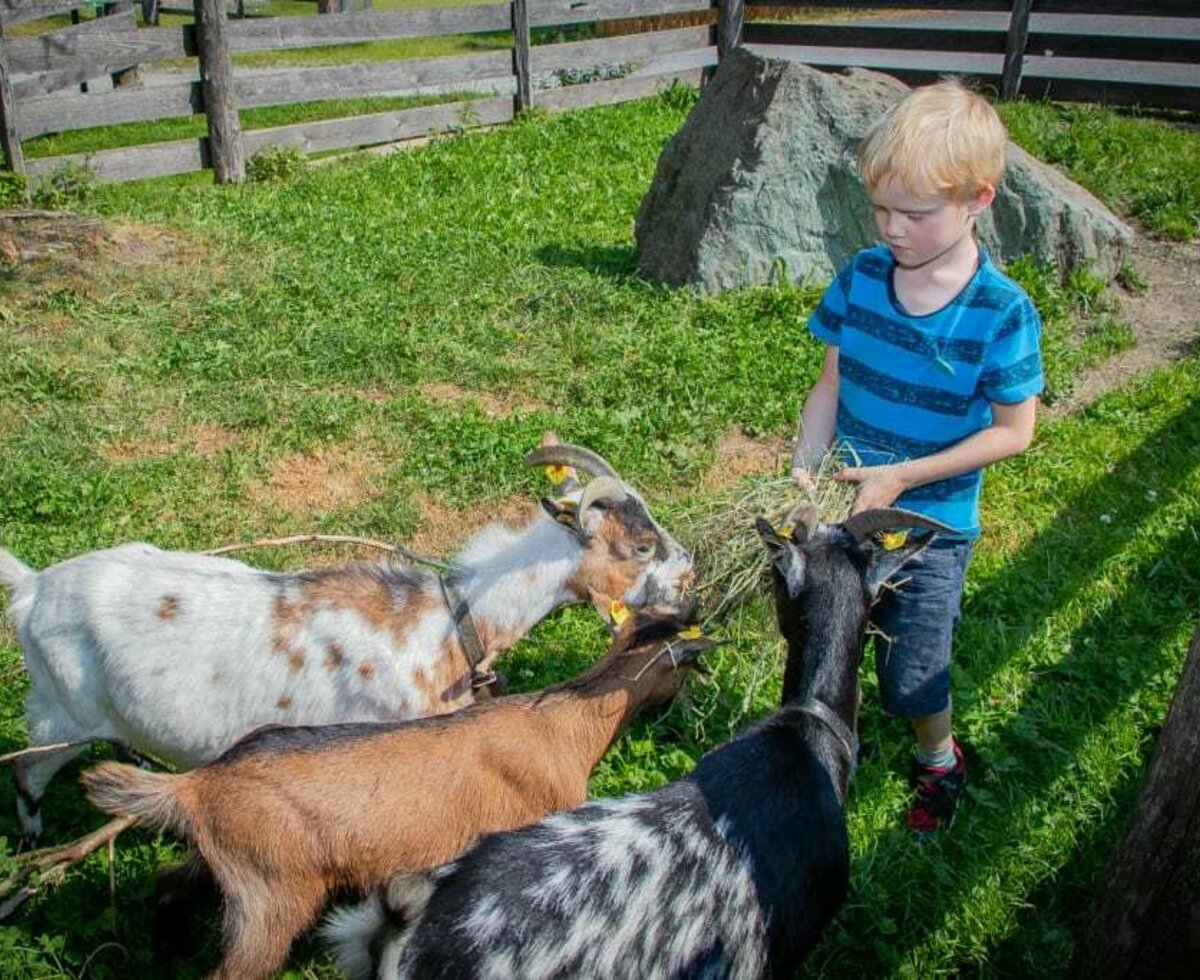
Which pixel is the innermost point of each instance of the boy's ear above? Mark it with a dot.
(981, 201)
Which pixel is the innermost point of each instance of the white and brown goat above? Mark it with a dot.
(177, 655)
(289, 815)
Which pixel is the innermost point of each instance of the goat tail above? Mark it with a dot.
(152, 798)
(369, 938)
(12, 569)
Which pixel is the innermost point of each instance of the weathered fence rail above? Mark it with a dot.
(1112, 51)
(1109, 50)
(40, 67)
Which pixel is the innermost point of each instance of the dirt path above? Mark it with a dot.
(1165, 319)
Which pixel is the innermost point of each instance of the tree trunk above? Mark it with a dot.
(329, 6)
(1146, 920)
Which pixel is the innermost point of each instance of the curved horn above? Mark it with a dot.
(604, 489)
(569, 455)
(862, 526)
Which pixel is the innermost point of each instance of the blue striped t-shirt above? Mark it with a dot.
(910, 385)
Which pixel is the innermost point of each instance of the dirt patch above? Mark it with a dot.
(493, 406)
(311, 483)
(203, 440)
(1165, 319)
(444, 529)
(739, 455)
(59, 262)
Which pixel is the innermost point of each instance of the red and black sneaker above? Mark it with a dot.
(938, 791)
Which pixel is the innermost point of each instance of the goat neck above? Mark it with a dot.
(824, 634)
(512, 579)
(593, 708)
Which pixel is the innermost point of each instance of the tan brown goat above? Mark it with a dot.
(290, 814)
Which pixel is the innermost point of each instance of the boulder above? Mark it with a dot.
(761, 182)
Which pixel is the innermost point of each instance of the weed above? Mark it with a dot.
(276, 164)
(68, 186)
(14, 190)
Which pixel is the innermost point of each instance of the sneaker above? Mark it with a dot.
(938, 791)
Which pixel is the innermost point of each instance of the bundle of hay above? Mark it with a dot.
(731, 563)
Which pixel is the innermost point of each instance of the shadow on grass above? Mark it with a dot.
(1115, 652)
(608, 261)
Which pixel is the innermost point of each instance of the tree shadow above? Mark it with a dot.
(1115, 651)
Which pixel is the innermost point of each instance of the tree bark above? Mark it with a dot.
(1146, 919)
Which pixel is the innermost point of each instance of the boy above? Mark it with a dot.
(931, 372)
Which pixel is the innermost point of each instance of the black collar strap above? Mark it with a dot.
(831, 720)
(468, 635)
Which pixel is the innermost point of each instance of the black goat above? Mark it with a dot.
(732, 871)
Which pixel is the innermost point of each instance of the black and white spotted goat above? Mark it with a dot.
(731, 872)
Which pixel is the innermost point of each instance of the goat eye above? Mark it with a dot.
(644, 551)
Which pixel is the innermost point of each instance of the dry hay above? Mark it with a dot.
(731, 563)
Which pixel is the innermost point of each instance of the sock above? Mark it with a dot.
(942, 760)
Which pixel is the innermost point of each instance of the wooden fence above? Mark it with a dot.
(1117, 52)
(1112, 51)
(34, 71)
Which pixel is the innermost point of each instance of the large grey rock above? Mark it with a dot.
(761, 181)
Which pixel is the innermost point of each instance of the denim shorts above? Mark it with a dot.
(917, 618)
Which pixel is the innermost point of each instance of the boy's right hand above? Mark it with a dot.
(803, 477)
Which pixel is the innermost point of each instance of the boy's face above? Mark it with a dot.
(919, 228)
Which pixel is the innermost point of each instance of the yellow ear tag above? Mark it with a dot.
(891, 540)
(558, 473)
(787, 531)
(617, 612)
(691, 633)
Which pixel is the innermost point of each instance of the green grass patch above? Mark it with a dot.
(1144, 166)
(418, 320)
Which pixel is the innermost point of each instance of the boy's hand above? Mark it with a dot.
(803, 477)
(878, 486)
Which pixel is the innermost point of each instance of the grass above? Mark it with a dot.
(405, 327)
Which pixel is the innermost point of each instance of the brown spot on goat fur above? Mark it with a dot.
(334, 656)
(366, 670)
(358, 590)
(289, 619)
(168, 607)
(295, 661)
(283, 703)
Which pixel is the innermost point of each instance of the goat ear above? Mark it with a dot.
(788, 559)
(770, 537)
(565, 512)
(688, 651)
(884, 562)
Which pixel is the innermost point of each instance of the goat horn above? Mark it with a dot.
(603, 488)
(577, 456)
(862, 526)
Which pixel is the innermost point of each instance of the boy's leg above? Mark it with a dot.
(912, 659)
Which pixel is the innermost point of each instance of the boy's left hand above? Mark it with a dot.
(878, 486)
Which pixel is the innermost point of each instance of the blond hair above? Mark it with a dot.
(938, 139)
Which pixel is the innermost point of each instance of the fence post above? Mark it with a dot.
(731, 15)
(1014, 49)
(128, 76)
(520, 20)
(14, 159)
(216, 78)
